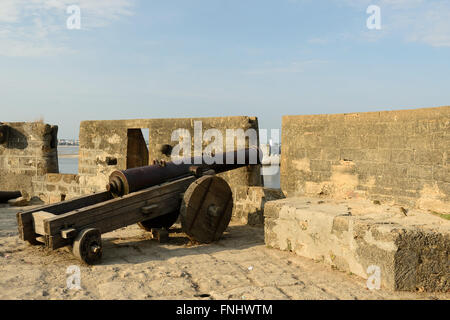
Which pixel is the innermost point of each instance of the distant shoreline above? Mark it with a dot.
(67, 156)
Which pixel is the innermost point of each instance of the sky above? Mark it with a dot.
(198, 58)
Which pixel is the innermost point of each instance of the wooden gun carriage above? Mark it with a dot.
(152, 196)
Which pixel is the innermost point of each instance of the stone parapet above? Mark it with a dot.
(410, 248)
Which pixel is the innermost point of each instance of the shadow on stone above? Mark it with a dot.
(238, 237)
(16, 139)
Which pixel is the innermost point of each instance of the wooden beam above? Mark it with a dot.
(25, 218)
(38, 221)
(113, 222)
(69, 233)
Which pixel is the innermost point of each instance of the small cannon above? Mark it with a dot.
(151, 196)
(8, 195)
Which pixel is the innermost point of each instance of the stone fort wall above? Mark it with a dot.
(395, 157)
(28, 151)
(105, 146)
(29, 162)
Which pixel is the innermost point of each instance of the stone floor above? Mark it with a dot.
(136, 267)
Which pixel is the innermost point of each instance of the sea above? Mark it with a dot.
(271, 175)
(68, 165)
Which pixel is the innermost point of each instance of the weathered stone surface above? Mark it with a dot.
(412, 251)
(133, 266)
(249, 203)
(28, 152)
(29, 161)
(19, 202)
(400, 156)
(103, 140)
(57, 187)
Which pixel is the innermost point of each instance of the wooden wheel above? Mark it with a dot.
(87, 246)
(165, 221)
(206, 209)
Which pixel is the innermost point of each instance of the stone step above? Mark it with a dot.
(410, 251)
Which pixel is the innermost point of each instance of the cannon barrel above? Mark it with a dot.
(135, 179)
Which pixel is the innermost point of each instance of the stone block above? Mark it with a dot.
(421, 127)
(19, 202)
(402, 156)
(53, 177)
(441, 141)
(441, 173)
(369, 142)
(328, 142)
(331, 154)
(320, 165)
(420, 142)
(250, 209)
(353, 155)
(411, 252)
(349, 142)
(392, 142)
(70, 178)
(420, 172)
(314, 153)
(395, 170)
(432, 157)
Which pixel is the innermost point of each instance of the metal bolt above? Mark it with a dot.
(95, 248)
(214, 210)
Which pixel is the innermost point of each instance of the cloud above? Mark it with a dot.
(36, 27)
(429, 25)
(9, 11)
(293, 67)
(421, 21)
(319, 40)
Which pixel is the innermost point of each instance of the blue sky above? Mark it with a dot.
(159, 59)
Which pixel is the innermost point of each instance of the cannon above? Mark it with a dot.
(152, 196)
(8, 195)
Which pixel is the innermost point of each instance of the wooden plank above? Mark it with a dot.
(73, 204)
(167, 205)
(25, 218)
(25, 227)
(112, 213)
(38, 221)
(132, 210)
(123, 219)
(118, 206)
